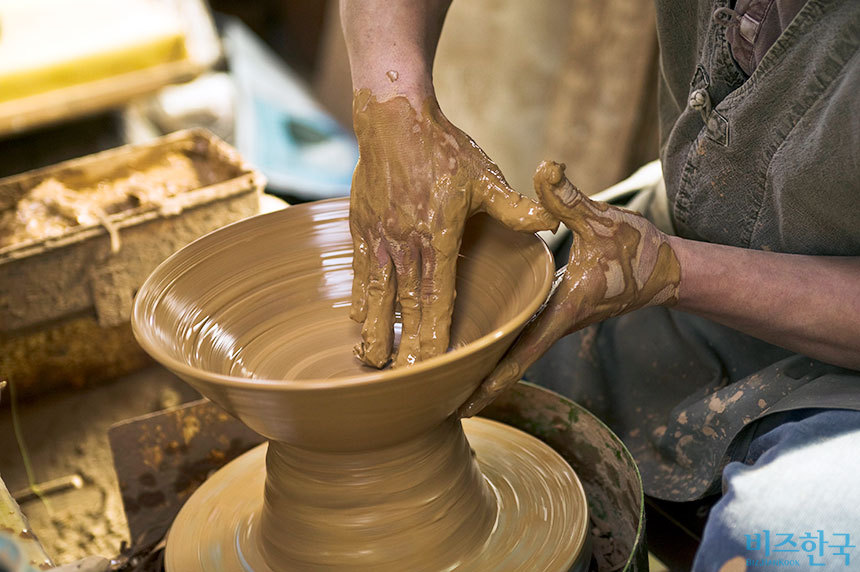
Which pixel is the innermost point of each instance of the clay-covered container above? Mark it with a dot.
(256, 316)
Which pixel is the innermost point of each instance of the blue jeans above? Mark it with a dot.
(793, 501)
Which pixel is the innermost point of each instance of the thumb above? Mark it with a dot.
(537, 337)
(517, 212)
(561, 198)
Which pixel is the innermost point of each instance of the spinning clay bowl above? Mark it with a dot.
(365, 469)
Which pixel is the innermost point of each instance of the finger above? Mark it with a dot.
(360, 275)
(561, 197)
(438, 279)
(377, 332)
(509, 207)
(550, 325)
(408, 268)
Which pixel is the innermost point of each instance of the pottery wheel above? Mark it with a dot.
(541, 524)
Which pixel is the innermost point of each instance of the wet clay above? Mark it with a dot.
(417, 181)
(365, 469)
(619, 262)
(52, 207)
(537, 508)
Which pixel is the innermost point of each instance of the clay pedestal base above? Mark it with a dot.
(520, 508)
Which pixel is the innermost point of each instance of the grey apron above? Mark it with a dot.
(770, 162)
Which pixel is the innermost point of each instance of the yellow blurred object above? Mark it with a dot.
(52, 44)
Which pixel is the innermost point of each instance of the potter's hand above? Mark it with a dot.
(619, 262)
(417, 181)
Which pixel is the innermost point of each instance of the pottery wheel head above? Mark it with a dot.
(256, 317)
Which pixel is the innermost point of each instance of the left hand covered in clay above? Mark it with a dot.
(619, 262)
(418, 179)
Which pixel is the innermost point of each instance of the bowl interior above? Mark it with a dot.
(268, 297)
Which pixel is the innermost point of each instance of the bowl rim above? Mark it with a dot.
(371, 378)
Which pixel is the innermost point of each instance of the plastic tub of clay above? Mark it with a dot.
(78, 238)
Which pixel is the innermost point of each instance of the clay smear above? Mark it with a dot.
(619, 261)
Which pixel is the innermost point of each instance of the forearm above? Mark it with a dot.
(808, 304)
(391, 45)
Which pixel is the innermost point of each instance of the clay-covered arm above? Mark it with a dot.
(620, 262)
(417, 180)
(807, 304)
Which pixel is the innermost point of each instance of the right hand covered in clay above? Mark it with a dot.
(417, 181)
(619, 262)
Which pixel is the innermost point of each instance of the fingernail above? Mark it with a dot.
(556, 173)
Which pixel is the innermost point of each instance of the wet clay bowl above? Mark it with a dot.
(255, 316)
(365, 470)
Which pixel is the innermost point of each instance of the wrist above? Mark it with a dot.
(392, 44)
(419, 103)
(681, 249)
(388, 77)
(663, 282)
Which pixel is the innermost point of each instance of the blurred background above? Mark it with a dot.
(571, 80)
(568, 80)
